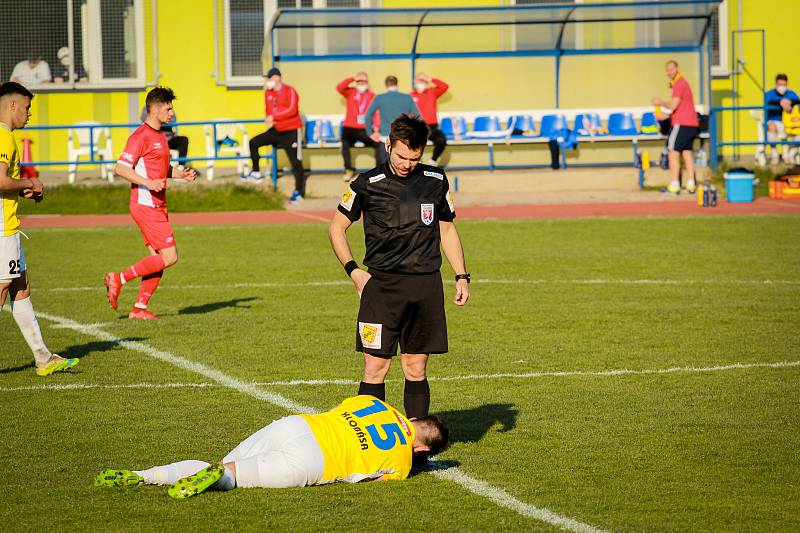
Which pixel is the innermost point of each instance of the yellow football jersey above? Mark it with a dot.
(8, 206)
(363, 438)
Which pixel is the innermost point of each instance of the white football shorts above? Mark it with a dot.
(12, 258)
(280, 455)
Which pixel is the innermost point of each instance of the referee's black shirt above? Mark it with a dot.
(401, 217)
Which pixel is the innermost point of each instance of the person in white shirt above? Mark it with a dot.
(31, 72)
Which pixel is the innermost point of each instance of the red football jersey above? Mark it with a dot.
(147, 152)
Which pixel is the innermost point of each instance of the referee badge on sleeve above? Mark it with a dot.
(426, 214)
(348, 198)
(370, 335)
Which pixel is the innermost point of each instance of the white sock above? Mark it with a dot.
(29, 326)
(675, 185)
(772, 137)
(169, 474)
(226, 482)
(690, 184)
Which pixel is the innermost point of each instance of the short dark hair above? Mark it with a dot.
(438, 435)
(783, 77)
(390, 80)
(12, 87)
(159, 95)
(409, 129)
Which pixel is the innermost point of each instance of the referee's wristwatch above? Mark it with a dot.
(463, 276)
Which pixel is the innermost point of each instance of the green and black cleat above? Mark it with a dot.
(117, 478)
(196, 483)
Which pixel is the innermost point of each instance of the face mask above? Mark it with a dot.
(421, 87)
(270, 84)
(362, 88)
(392, 89)
(781, 89)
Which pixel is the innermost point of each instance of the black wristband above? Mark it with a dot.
(350, 266)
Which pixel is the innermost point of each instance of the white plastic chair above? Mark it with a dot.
(235, 132)
(101, 142)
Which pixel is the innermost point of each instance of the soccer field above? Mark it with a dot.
(625, 374)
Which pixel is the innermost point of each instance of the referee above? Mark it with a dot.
(408, 213)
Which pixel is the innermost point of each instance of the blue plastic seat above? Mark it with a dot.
(453, 128)
(622, 124)
(523, 123)
(487, 127)
(312, 132)
(326, 131)
(589, 124)
(649, 125)
(553, 126)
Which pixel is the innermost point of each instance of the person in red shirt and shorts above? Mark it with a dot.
(145, 164)
(684, 129)
(427, 91)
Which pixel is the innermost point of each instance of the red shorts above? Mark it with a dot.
(154, 224)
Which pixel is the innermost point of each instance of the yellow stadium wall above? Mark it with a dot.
(186, 63)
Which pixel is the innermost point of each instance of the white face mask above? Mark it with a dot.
(421, 87)
(781, 89)
(392, 89)
(271, 84)
(362, 88)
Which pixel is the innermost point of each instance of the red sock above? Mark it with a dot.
(149, 285)
(149, 265)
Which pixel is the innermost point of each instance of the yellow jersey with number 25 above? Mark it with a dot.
(363, 438)
(8, 206)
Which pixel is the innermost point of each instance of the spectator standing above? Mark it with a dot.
(684, 130)
(358, 97)
(391, 105)
(427, 91)
(283, 123)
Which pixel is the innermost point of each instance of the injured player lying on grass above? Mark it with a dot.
(361, 439)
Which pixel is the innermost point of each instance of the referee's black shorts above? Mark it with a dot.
(681, 138)
(402, 308)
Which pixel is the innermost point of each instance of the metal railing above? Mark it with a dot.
(272, 156)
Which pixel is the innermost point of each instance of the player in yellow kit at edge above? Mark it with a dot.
(15, 110)
(361, 439)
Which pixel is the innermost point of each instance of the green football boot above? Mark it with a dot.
(117, 478)
(56, 364)
(196, 483)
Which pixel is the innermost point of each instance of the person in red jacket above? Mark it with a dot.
(283, 123)
(426, 91)
(358, 96)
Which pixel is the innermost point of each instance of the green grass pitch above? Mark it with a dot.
(712, 450)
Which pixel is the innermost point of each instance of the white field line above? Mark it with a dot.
(477, 487)
(502, 498)
(335, 283)
(467, 377)
(180, 362)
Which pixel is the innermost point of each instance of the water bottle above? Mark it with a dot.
(713, 198)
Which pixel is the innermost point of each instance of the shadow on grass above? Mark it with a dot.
(470, 425)
(89, 348)
(216, 306)
(13, 369)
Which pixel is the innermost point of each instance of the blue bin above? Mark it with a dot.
(739, 186)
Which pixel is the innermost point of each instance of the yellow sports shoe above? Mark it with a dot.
(196, 483)
(117, 478)
(56, 364)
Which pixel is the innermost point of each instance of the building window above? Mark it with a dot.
(718, 33)
(104, 48)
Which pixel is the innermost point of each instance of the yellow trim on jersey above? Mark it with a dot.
(8, 206)
(363, 438)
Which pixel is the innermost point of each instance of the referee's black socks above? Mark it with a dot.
(373, 389)
(417, 398)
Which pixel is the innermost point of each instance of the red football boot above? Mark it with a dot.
(142, 314)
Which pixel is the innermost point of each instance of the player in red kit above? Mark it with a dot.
(145, 163)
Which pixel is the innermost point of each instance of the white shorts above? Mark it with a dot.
(12, 258)
(280, 455)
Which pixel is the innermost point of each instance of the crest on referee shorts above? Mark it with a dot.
(370, 335)
(426, 214)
